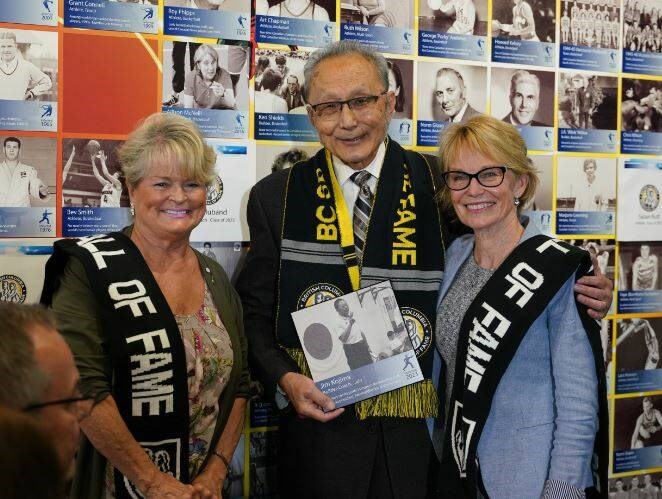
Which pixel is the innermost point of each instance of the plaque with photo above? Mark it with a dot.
(539, 208)
(228, 19)
(642, 37)
(637, 435)
(357, 345)
(641, 116)
(639, 210)
(639, 286)
(638, 366)
(304, 23)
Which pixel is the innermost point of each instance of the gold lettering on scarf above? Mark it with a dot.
(404, 247)
(325, 214)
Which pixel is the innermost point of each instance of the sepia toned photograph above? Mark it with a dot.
(451, 92)
(640, 486)
(386, 13)
(91, 174)
(205, 75)
(523, 97)
(401, 83)
(27, 172)
(589, 24)
(642, 26)
(457, 17)
(310, 10)
(542, 199)
(586, 184)
(279, 81)
(639, 266)
(528, 20)
(641, 105)
(587, 101)
(28, 65)
(637, 422)
(228, 255)
(274, 158)
(638, 344)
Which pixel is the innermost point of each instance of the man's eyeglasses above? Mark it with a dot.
(332, 110)
(492, 176)
(78, 406)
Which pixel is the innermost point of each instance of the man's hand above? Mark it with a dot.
(596, 292)
(307, 399)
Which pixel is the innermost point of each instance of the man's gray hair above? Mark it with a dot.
(457, 74)
(23, 381)
(523, 74)
(340, 48)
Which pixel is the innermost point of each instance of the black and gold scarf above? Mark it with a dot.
(404, 244)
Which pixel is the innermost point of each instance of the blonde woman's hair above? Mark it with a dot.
(169, 140)
(494, 139)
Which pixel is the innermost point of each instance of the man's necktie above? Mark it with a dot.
(362, 209)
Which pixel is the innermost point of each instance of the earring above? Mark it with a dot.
(132, 210)
(516, 201)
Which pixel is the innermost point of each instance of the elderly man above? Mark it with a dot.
(18, 181)
(308, 234)
(39, 376)
(451, 96)
(524, 99)
(19, 79)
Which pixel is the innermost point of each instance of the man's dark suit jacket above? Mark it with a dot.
(533, 122)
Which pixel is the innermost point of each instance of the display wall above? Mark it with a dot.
(582, 81)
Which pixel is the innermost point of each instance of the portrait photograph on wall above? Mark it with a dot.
(590, 34)
(454, 29)
(208, 83)
(638, 365)
(95, 199)
(637, 435)
(401, 83)
(641, 116)
(280, 109)
(585, 195)
(524, 32)
(539, 208)
(525, 99)
(639, 187)
(28, 189)
(587, 112)
(448, 93)
(642, 37)
(385, 25)
(28, 80)
(639, 286)
(273, 158)
(304, 23)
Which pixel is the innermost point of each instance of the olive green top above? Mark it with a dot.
(76, 309)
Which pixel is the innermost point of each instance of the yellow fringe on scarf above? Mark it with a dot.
(418, 400)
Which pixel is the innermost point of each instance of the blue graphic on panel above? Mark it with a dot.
(638, 142)
(589, 58)
(27, 222)
(584, 222)
(370, 380)
(638, 381)
(537, 138)
(631, 302)
(280, 126)
(381, 38)
(542, 220)
(642, 62)
(43, 12)
(111, 16)
(401, 131)
(184, 21)
(218, 123)
(581, 140)
(433, 44)
(637, 459)
(523, 52)
(428, 132)
(286, 31)
(28, 115)
(86, 221)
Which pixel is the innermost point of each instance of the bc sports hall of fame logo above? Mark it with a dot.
(165, 455)
(649, 198)
(215, 191)
(12, 289)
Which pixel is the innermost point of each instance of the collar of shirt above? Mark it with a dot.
(349, 189)
(10, 66)
(458, 117)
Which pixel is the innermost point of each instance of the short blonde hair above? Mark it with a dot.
(494, 139)
(167, 139)
(203, 50)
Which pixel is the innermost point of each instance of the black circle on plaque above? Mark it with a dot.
(317, 341)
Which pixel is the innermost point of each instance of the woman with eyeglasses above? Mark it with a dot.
(521, 361)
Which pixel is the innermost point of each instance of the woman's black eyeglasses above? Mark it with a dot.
(492, 176)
